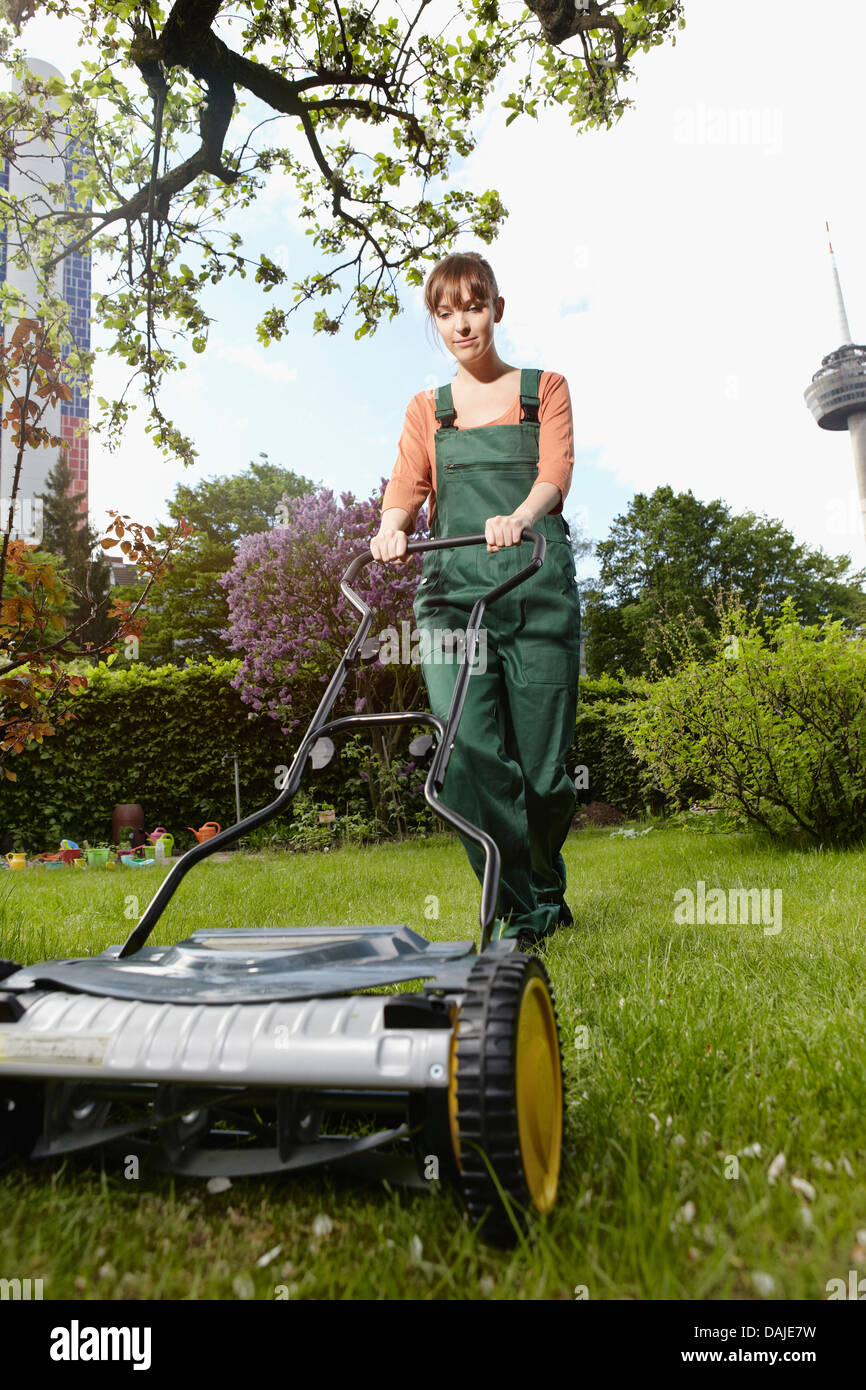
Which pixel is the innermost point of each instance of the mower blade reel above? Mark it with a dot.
(245, 1163)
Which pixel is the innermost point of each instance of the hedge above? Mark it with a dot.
(153, 735)
(613, 773)
(158, 735)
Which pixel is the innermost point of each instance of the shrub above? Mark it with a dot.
(774, 726)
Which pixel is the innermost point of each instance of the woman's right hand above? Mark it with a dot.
(390, 546)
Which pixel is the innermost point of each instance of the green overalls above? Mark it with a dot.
(507, 771)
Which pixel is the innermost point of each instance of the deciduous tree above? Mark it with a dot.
(670, 553)
(364, 110)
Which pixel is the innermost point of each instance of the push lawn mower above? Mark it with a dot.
(258, 1051)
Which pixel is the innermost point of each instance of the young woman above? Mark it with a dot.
(494, 451)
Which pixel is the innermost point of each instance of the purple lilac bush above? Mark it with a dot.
(290, 621)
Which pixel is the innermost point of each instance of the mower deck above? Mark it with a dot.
(254, 966)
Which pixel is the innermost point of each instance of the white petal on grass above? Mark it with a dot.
(686, 1215)
(244, 1287)
(268, 1256)
(656, 1121)
(751, 1151)
(322, 1225)
(861, 1236)
(807, 1220)
(763, 1283)
(219, 1184)
(776, 1168)
(845, 1165)
(417, 1247)
(804, 1188)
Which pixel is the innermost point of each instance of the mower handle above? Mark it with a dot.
(539, 545)
(319, 726)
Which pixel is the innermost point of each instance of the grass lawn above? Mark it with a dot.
(695, 1054)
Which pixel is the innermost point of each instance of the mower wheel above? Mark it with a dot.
(506, 1094)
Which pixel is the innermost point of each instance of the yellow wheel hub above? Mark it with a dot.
(538, 1084)
(452, 1098)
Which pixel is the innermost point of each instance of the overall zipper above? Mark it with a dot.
(499, 467)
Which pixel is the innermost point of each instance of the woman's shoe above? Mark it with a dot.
(565, 918)
(529, 940)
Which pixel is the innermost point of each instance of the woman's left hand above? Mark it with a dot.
(501, 531)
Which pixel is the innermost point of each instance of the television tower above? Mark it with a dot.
(837, 395)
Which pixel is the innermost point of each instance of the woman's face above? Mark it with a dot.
(467, 329)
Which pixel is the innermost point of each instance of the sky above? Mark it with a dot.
(674, 269)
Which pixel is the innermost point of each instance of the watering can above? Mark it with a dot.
(161, 843)
(207, 832)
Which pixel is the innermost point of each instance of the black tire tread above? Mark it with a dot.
(486, 1102)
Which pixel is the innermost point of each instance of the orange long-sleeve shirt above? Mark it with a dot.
(414, 477)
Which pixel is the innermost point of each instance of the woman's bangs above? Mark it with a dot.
(446, 288)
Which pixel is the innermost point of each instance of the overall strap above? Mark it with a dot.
(529, 397)
(530, 400)
(445, 412)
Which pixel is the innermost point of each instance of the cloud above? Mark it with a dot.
(246, 355)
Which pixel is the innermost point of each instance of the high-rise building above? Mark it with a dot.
(837, 395)
(39, 163)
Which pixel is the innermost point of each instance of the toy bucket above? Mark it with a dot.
(16, 861)
(97, 858)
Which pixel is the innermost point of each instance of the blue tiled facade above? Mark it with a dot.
(76, 292)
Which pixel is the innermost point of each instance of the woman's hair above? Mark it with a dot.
(446, 280)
